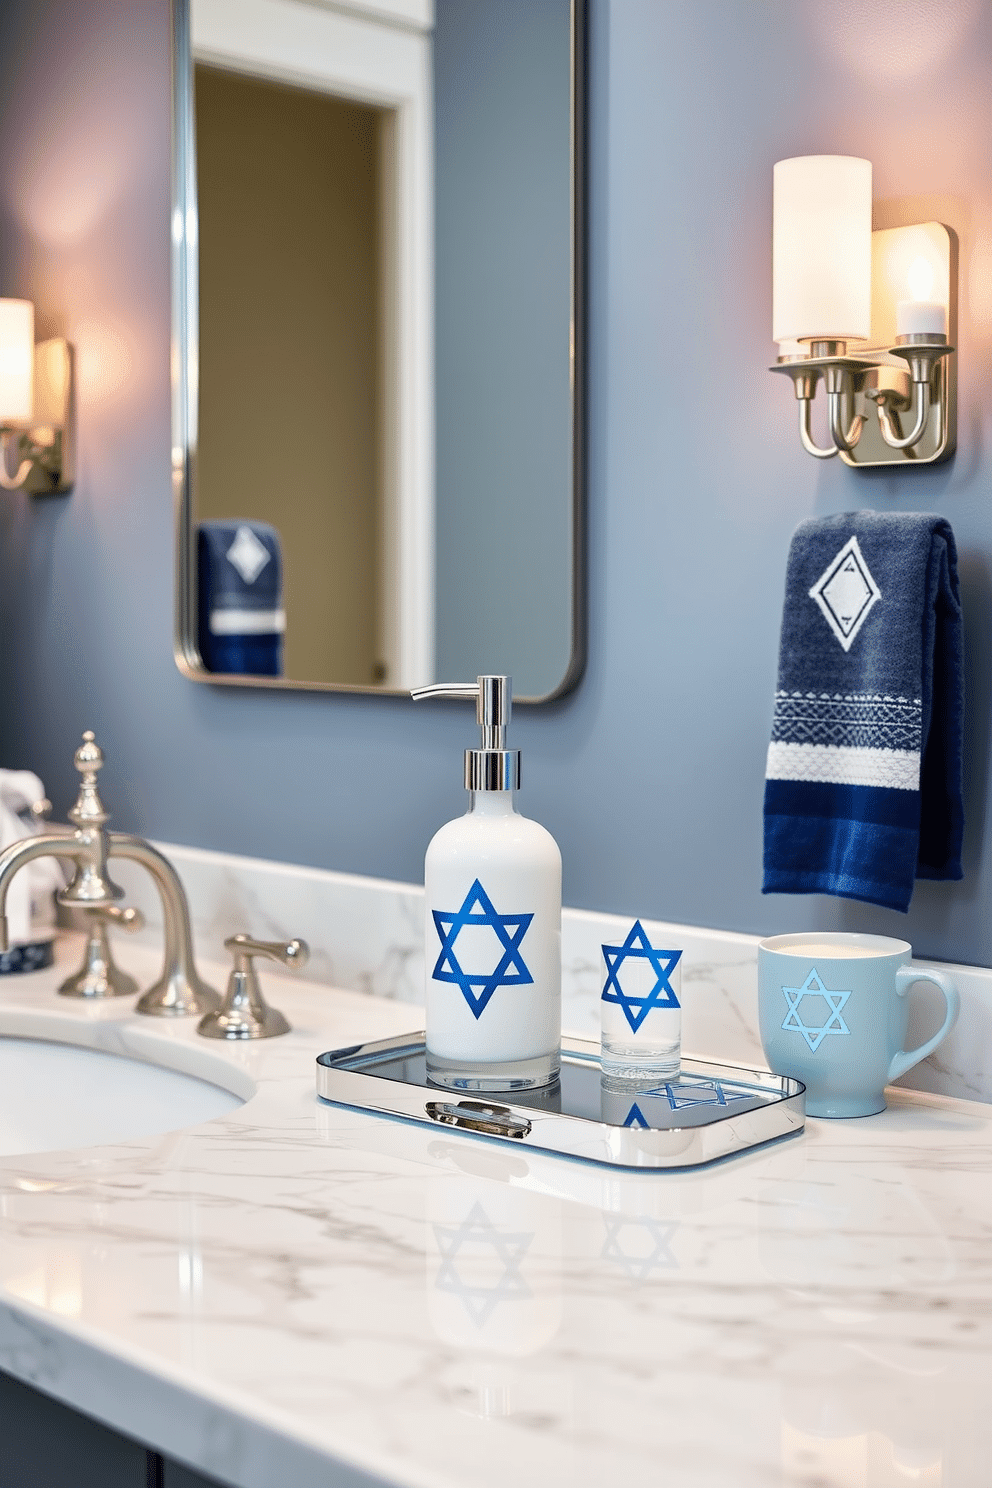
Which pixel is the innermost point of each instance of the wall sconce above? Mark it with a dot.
(866, 312)
(36, 397)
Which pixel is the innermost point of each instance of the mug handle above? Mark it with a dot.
(905, 977)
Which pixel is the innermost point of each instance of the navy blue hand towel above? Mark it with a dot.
(241, 618)
(863, 784)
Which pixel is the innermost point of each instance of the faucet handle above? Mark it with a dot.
(244, 1013)
(129, 919)
(99, 975)
(292, 953)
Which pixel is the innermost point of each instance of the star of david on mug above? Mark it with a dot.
(641, 1010)
(833, 1011)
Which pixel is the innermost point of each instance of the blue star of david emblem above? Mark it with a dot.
(813, 987)
(477, 1230)
(699, 1093)
(639, 1266)
(510, 929)
(662, 995)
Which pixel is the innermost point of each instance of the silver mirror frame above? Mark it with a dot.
(185, 371)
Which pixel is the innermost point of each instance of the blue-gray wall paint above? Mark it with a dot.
(650, 774)
(502, 247)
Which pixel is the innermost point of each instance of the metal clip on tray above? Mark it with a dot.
(711, 1111)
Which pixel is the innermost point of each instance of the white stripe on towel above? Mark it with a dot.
(897, 769)
(247, 622)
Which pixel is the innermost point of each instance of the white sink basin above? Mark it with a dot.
(57, 1096)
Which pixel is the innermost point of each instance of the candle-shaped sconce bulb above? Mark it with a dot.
(921, 315)
(920, 278)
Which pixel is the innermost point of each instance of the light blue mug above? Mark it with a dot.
(833, 1013)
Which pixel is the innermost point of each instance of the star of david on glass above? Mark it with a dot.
(509, 929)
(477, 1234)
(637, 947)
(639, 1264)
(815, 1033)
(700, 1093)
(683, 1093)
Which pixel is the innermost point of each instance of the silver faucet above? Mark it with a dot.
(179, 991)
(244, 1013)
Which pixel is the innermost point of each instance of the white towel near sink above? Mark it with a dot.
(29, 896)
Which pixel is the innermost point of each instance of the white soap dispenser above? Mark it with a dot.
(493, 923)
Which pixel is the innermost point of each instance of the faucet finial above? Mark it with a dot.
(86, 846)
(91, 883)
(88, 759)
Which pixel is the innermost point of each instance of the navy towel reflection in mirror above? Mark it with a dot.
(241, 615)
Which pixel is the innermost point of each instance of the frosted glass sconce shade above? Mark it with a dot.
(36, 406)
(821, 249)
(16, 361)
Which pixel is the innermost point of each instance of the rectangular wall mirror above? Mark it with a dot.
(378, 341)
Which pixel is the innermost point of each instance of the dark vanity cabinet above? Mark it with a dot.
(44, 1444)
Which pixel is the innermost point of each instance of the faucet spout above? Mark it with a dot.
(49, 845)
(179, 991)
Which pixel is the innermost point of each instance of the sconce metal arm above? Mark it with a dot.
(12, 482)
(923, 354)
(806, 435)
(804, 381)
(839, 375)
(840, 384)
(845, 377)
(889, 423)
(844, 435)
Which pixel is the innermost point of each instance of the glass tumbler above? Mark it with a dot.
(641, 1010)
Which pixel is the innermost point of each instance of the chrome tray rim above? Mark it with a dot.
(577, 1138)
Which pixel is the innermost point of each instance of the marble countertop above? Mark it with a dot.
(297, 1294)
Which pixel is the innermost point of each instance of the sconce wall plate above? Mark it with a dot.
(888, 381)
(46, 449)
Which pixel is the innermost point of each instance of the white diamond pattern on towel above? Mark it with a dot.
(846, 592)
(247, 554)
(895, 769)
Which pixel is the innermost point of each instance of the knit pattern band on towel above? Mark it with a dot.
(863, 779)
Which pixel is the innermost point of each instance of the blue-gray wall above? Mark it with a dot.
(650, 774)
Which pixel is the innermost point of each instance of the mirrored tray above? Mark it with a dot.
(711, 1111)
